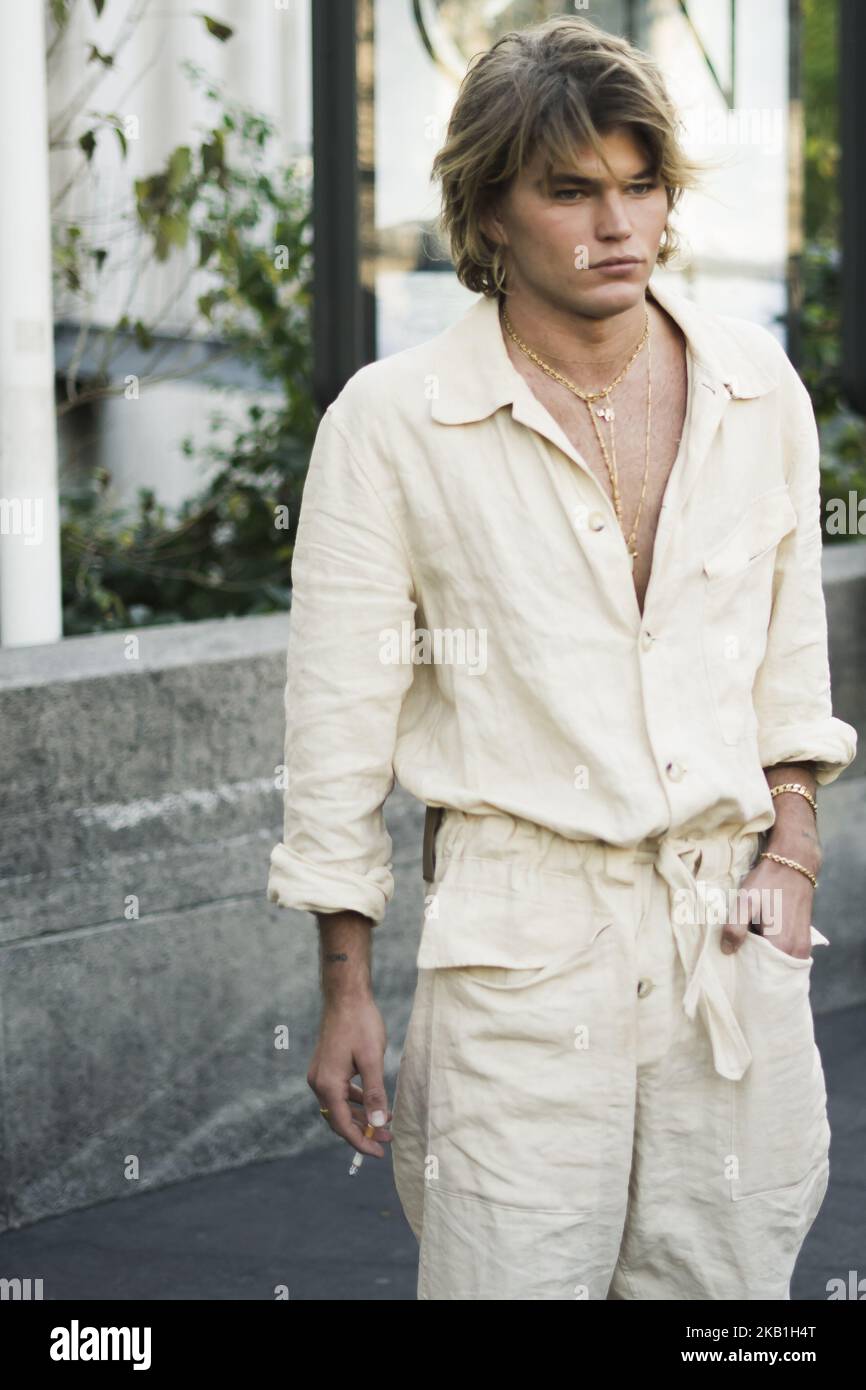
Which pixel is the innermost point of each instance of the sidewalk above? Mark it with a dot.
(304, 1223)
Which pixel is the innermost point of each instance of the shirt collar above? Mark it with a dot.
(477, 377)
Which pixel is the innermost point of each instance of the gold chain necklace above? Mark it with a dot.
(605, 413)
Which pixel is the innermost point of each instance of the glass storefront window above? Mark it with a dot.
(727, 71)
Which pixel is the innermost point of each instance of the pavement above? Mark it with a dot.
(303, 1225)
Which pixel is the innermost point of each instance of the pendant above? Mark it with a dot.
(605, 412)
(632, 555)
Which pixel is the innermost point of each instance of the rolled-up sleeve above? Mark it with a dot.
(792, 697)
(351, 579)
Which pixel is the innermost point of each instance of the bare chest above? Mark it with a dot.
(618, 448)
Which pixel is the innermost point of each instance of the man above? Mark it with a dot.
(559, 571)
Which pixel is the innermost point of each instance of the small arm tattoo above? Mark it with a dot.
(336, 955)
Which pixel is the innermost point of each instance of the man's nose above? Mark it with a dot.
(613, 220)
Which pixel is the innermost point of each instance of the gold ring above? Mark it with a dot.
(323, 1112)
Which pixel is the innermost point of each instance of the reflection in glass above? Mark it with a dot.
(736, 232)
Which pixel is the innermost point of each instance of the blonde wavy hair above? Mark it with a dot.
(550, 87)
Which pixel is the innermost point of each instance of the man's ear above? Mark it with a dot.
(490, 223)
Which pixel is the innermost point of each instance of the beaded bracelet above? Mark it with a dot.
(792, 864)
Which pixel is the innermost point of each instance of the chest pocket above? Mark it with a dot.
(738, 586)
(769, 517)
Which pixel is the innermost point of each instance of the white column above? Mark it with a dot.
(30, 597)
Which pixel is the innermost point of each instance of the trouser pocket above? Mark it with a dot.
(522, 1077)
(477, 1249)
(779, 1127)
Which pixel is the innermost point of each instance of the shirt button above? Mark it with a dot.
(675, 771)
(646, 640)
(596, 521)
(643, 988)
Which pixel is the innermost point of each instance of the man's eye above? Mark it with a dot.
(569, 193)
(640, 187)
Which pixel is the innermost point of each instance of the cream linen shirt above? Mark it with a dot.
(464, 616)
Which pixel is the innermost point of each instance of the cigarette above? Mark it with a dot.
(359, 1157)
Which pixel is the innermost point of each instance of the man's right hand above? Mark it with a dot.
(352, 1037)
(352, 1043)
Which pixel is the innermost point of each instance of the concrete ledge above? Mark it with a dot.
(151, 774)
(145, 978)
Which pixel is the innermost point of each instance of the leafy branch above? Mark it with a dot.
(239, 223)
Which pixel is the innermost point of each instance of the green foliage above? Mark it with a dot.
(60, 12)
(821, 106)
(216, 28)
(843, 433)
(66, 258)
(229, 550)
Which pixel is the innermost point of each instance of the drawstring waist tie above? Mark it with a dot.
(677, 859)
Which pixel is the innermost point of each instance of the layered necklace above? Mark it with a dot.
(606, 413)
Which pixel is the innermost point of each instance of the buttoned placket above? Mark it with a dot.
(707, 399)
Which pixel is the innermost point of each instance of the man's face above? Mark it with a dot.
(556, 240)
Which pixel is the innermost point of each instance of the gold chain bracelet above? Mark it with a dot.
(791, 864)
(796, 787)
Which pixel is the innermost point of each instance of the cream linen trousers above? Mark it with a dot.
(629, 1113)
